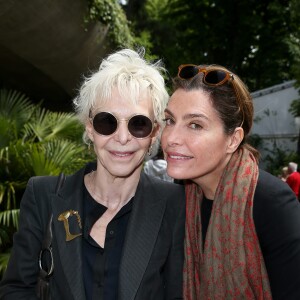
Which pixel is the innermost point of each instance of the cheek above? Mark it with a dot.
(145, 145)
(165, 139)
(208, 147)
(214, 151)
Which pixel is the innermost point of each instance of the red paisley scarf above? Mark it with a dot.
(231, 266)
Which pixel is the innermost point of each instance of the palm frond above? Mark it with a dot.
(14, 103)
(10, 217)
(47, 126)
(65, 126)
(50, 158)
(7, 192)
(13, 160)
(4, 257)
(16, 107)
(8, 131)
(4, 236)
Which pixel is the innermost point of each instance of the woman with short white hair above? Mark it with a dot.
(117, 232)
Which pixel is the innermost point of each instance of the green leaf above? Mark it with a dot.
(9, 217)
(4, 257)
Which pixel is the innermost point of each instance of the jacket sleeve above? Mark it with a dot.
(276, 213)
(20, 278)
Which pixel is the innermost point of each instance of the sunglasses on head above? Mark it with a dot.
(139, 126)
(213, 76)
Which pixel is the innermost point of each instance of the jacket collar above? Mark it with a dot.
(69, 199)
(144, 224)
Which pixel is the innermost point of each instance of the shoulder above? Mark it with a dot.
(269, 185)
(295, 176)
(272, 193)
(275, 205)
(171, 193)
(156, 184)
(45, 185)
(41, 185)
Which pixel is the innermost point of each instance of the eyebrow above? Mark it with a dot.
(188, 116)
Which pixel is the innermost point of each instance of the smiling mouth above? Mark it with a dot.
(179, 157)
(121, 154)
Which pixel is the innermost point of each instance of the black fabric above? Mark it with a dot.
(152, 256)
(101, 265)
(206, 208)
(46, 270)
(276, 214)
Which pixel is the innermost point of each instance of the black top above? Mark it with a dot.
(101, 265)
(152, 254)
(276, 215)
(206, 209)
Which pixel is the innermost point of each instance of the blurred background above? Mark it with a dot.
(47, 47)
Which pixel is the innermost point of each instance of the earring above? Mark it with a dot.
(150, 150)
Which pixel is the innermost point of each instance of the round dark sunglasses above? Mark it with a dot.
(211, 76)
(139, 126)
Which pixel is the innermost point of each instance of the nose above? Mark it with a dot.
(122, 134)
(170, 136)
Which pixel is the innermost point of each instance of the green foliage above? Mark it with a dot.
(144, 39)
(33, 142)
(259, 40)
(293, 41)
(4, 257)
(46, 125)
(295, 108)
(15, 111)
(7, 218)
(276, 158)
(279, 158)
(154, 9)
(110, 13)
(255, 141)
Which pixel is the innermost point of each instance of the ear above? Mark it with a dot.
(235, 139)
(89, 130)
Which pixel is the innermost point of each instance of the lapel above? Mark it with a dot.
(144, 224)
(70, 252)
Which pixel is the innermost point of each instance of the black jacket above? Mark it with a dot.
(152, 258)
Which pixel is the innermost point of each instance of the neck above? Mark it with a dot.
(209, 182)
(209, 190)
(112, 192)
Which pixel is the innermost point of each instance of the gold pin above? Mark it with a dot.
(64, 218)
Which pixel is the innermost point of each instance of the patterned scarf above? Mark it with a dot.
(231, 266)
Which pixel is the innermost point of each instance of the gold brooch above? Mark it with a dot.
(64, 217)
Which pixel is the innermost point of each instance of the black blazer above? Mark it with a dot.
(276, 214)
(152, 258)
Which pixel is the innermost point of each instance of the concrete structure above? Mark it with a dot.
(273, 121)
(45, 48)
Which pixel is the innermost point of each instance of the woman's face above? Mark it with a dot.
(120, 154)
(193, 139)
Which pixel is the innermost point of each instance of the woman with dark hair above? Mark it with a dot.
(242, 236)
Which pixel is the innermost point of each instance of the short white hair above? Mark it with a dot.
(293, 166)
(132, 75)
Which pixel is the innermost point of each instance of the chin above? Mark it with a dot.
(177, 175)
(123, 173)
